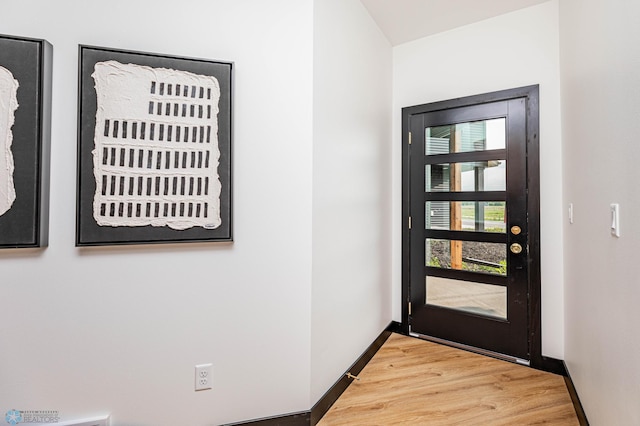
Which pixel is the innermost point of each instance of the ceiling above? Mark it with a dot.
(406, 20)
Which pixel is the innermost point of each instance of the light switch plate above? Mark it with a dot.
(570, 212)
(615, 219)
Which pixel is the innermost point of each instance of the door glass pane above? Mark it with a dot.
(490, 258)
(485, 299)
(475, 176)
(478, 216)
(465, 137)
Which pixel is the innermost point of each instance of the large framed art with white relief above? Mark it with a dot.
(25, 123)
(154, 148)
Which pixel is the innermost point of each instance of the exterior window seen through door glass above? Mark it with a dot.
(477, 216)
(473, 136)
(476, 176)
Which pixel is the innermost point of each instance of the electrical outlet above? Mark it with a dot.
(204, 376)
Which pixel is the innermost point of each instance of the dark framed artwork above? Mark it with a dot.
(154, 148)
(25, 134)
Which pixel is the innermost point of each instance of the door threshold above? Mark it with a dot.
(480, 351)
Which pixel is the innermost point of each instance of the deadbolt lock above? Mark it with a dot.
(515, 230)
(516, 248)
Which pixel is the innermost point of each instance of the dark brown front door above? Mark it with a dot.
(467, 251)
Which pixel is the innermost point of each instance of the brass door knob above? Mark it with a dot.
(516, 248)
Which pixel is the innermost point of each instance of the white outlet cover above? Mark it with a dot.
(204, 377)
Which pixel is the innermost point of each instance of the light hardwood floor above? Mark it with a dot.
(415, 382)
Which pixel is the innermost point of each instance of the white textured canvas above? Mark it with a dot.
(8, 106)
(156, 147)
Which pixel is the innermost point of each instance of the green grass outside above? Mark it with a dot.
(494, 213)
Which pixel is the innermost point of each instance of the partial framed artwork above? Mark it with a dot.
(154, 148)
(25, 134)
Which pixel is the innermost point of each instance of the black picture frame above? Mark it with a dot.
(88, 232)
(26, 223)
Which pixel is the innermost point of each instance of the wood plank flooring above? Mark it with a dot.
(415, 382)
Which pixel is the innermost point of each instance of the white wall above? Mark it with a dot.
(600, 108)
(512, 50)
(351, 295)
(119, 330)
